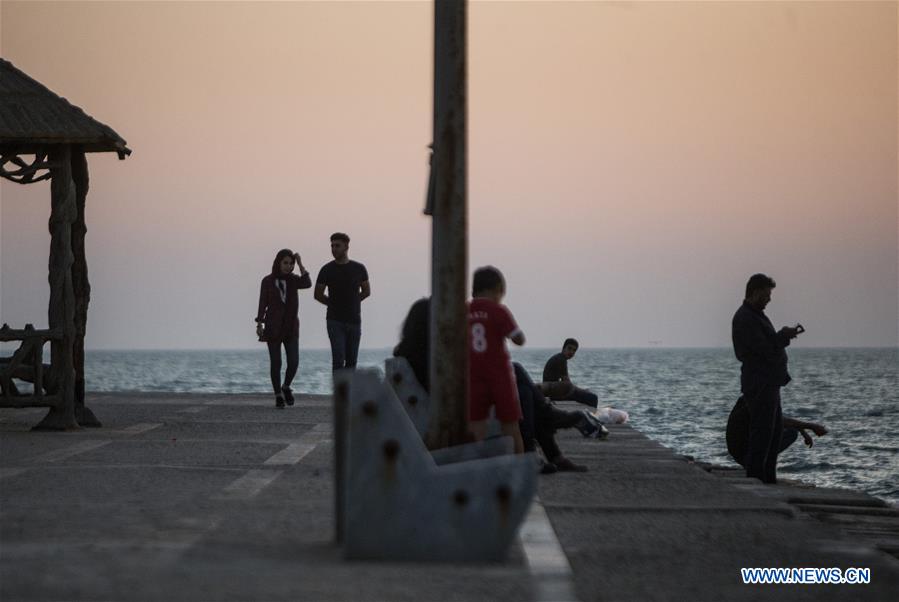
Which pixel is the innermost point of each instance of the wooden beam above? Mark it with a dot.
(9, 334)
(25, 351)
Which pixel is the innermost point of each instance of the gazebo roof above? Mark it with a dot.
(32, 116)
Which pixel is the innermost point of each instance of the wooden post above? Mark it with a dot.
(80, 284)
(449, 319)
(61, 313)
(38, 363)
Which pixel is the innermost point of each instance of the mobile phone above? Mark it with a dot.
(800, 329)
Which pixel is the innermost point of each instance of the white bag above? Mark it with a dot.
(611, 415)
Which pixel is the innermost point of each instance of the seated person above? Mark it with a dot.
(558, 385)
(415, 343)
(540, 421)
(738, 432)
(540, 418)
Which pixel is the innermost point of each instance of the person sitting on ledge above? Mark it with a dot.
(415, 341)
(556, 383)
(540, 420)
(738, 432)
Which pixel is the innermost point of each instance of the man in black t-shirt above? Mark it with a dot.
(347, 285)
(556, 383)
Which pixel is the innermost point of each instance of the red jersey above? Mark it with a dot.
(489, 325)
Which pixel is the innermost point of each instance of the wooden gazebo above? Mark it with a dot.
(43, 136)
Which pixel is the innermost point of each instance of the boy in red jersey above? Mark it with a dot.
(491, 381)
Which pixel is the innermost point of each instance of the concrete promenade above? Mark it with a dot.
(218, 497)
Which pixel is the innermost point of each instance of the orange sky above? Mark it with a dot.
(631, 164)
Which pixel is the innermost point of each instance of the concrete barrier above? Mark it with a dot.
(396, 502)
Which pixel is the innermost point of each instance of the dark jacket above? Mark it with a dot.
(280, 319)
(761, 350)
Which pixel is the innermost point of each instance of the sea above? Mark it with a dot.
(679, 397)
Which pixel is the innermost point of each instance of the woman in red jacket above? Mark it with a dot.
(277, 322)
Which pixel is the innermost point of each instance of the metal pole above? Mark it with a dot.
(449, 211)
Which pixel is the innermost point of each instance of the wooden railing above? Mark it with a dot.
(27, 364)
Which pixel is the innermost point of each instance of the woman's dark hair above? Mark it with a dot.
(340, 236)
(570, 342)
(758, 282)
(415, 344)
(487, 278)
(276, 264)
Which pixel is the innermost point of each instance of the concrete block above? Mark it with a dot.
(412, 395)
(400, 504)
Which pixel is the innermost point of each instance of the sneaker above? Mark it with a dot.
(288, 395)
(601, 433)
(592, 427)
(563, 464)
(546, 467)
(588, 424)
(279, 402)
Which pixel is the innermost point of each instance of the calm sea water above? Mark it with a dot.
(680, 397)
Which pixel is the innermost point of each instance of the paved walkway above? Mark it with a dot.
(211, 497)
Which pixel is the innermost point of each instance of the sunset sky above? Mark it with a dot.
(630, 164)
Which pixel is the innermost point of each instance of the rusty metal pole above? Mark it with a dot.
(449, 210)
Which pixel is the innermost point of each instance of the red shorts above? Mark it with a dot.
(494, 387)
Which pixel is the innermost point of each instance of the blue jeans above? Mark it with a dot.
(588, 398)
(344, 343)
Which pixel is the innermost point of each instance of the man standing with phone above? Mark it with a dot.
(762, 352)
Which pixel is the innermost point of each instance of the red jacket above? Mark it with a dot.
(280, 318)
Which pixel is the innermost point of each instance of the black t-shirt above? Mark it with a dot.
(556, 368)
(343, 281)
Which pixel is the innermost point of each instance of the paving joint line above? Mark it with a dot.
(255, 480)
(137, 429)
(70, 450)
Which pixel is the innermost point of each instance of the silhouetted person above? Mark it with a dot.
(556, 371)
(738, 432)
(347, 285)
(276, 319)
(762, 352)
(540, 420)
(415, 341)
